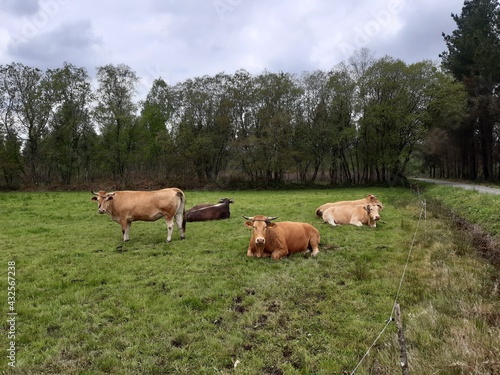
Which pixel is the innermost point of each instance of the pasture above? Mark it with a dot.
(87, 303)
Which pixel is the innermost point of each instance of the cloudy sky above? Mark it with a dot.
(181, 39)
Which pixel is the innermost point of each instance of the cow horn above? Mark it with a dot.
(93, 193)
(248, 217)
(272, 218)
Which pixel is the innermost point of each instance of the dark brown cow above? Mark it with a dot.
(206, 211)
(124, 207)
(355, 215)
(369, 199)
(280, 239)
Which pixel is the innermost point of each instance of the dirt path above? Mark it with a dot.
(479, 188)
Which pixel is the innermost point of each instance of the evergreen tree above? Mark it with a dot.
(473, 57)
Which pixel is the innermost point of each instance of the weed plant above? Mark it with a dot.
(88, 303)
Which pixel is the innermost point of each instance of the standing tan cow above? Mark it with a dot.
(124, 207)
(369, 199)
(355, 215)
(280, 239)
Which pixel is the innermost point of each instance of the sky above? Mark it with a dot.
(182, 39)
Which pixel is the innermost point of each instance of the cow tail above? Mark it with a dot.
(184, 219)
(182, 198)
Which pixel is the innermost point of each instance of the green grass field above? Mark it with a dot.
(87, 303)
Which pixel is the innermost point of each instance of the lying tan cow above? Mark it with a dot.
(355, 215)
(280, 239)
(124, 207)
(369, 199)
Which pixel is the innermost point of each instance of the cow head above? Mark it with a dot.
(373, 211)
(103, 199)
(259, 224)
(226, 201)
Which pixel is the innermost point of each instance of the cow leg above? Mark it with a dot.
(170, 227)
(314, 247)
(126, 229)
(357, 223)
(331, 221)
(249, 252)
(279, 253)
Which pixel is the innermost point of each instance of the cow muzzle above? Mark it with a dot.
(101, 210)
(260, 241)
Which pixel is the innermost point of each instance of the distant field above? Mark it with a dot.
(87, 303)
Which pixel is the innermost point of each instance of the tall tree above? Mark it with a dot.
(277, 98)
(72, 95)
(312, 135)
(10, 145)
(116, 115)
(156, 128)
(205, 130)
(442, 145)
(473, 58)
(394, 117)
(343, 139)
(31, 107)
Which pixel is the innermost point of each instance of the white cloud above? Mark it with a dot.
(180, 40)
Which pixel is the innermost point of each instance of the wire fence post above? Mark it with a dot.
(402, 342)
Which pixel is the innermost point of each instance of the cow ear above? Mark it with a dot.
(367, 208)
(248, 224)
(109, 197)
(270, 224)
(93, 198)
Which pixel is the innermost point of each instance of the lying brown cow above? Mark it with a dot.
(206, 211)
(124, 207)
(280, 239)
(369, 199)
(355, 215)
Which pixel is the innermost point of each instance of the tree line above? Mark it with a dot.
(366, 120)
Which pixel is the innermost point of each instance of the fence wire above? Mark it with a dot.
(423, 212)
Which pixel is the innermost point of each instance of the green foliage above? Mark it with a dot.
(115, 115)
(474, 47)
(472, 58)
(89, 304)
(66, 145)
(267, 129)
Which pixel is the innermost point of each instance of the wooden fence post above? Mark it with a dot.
(402, 342)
